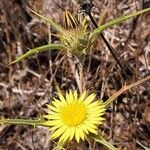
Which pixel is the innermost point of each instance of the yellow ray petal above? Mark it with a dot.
(71, 99)
(66, 135)
(96, 107)
(59, 132)
(96, 112)
(52, 122)
(81, 133)
(92, 130)
(55, 109)
(56, 116)
(89, 99)
(57, 103)
(72, 133)
(93, 105)
(96, 122)
(77, 135)
(56, 126)
(83, 126)
(90, 125)
(75, 95)
(82, 97)
(95, 118)
(61, 97)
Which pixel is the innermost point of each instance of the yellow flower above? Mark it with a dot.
(73, 117)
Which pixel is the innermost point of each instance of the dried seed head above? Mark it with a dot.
(75, 34)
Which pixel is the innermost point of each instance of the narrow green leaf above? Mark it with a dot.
(35, 122)
(100, 29)
(101, 140)
(38, 50)
(50, 21)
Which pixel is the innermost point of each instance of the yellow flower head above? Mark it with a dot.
(74, 117)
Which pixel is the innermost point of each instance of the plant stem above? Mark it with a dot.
(36, 122)
(101, 140)
(123, 89)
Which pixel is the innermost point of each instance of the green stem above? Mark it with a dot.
(101, 140)
(36, 122)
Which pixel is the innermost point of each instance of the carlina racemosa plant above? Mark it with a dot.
(74, 117)
(74, 36)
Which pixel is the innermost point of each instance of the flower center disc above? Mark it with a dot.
(73, 114)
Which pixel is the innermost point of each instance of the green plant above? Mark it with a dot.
(75, 37)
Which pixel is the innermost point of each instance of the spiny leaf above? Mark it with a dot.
(109, 24)
(38, 50)
(33, 122)
(50, 21)
(101, 140)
